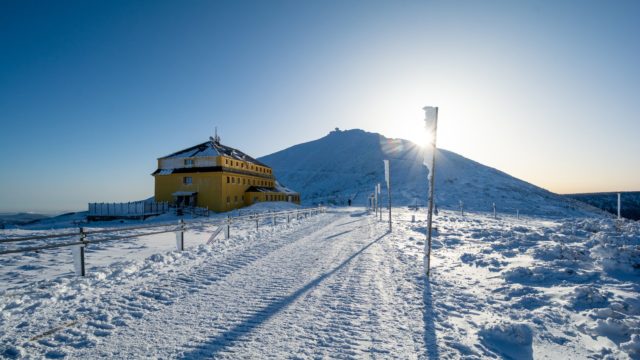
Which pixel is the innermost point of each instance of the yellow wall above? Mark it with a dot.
(253, 197)
(205, 184)
(215, 188)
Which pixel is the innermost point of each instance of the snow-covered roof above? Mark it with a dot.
(269, 189)
(283, 189)
(213, 148)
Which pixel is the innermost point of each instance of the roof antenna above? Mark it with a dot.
(215, 138)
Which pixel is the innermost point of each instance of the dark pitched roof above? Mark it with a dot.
(212, 148)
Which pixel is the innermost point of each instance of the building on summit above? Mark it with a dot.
(217, 177)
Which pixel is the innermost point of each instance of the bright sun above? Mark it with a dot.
(414, 131)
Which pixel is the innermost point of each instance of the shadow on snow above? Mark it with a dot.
(226, 339)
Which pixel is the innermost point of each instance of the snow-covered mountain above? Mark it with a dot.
(347, 164)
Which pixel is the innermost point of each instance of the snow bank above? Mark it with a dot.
(511, 339)
(588, 297)
(632, 347)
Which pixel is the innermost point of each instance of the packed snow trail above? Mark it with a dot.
(326, 288)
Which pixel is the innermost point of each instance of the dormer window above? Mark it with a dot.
(188, 162)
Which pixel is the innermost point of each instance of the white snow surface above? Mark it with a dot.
(345, 164)
(338, 285)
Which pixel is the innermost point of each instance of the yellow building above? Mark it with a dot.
(217, 177)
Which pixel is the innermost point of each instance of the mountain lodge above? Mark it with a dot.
(217, 177)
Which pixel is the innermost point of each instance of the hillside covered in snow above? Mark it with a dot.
(347, 164)
(630, 202)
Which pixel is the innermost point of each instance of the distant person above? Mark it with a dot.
(349, 201)
(436, 211)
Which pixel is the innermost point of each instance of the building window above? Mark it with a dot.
(228, 180)
(187, 180)
(228, 199)
(235, 199)
(188, 162)
(242, 198)
(243, 181)
(233, 180)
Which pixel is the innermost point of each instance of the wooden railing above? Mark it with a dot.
(79, 239)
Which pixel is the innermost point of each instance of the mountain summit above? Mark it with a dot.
(347, 164)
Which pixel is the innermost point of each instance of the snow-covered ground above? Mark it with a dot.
(20, 270)
(338, 285)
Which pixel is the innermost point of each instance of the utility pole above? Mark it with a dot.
(431, 124)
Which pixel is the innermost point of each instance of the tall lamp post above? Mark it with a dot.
(431, 124)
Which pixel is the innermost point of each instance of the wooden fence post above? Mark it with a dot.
(78, 255)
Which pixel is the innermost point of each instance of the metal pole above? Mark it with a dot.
(432, 171)
(389, 196)
(375, 200)
(180, 236)
(379, 202)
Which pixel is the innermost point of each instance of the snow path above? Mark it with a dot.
(326, 287)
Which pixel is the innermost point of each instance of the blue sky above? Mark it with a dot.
(92, 92)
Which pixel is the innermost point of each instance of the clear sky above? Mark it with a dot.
(93, 92)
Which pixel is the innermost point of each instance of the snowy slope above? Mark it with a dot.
(630, 202)
(347, 164)
(7, 220)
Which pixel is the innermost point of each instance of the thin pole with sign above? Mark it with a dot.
(431, 124)
(387, 178)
